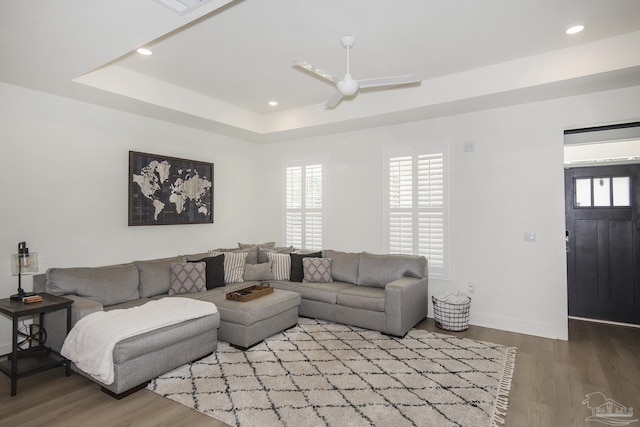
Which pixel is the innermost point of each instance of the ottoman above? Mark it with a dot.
(245, 324)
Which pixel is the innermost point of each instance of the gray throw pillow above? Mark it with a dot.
(188, 277)
(260, 245)
(258, 272)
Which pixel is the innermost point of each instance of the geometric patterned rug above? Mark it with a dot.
(320, 373)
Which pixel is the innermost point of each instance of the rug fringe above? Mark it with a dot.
(502, 400)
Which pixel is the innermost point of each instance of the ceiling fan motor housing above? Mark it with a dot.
(347, 86)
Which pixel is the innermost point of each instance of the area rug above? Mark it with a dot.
(325, 374)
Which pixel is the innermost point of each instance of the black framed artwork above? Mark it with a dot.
(167, 190)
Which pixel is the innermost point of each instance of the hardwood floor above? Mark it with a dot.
(550, 382)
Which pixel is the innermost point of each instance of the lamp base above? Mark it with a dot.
(21, 294)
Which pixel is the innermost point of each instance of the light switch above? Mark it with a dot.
(530, 236)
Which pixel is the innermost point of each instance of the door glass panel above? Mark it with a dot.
(583, 192)
(601, 191)
(621, 193)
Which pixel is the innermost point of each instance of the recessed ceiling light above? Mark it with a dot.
(144, 51)
(273, 103)
(575, 29)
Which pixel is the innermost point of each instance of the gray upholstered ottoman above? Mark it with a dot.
(244, 324)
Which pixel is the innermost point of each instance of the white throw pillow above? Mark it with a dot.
(234, 263)
(280, 265)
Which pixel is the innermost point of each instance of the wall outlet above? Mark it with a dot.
(469, 147)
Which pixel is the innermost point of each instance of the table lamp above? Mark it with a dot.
(23, 263)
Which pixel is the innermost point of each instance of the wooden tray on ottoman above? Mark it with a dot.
(247, 294)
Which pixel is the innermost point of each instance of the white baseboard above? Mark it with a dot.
(539, 329)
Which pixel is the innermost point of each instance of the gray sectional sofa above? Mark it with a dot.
(387, 293)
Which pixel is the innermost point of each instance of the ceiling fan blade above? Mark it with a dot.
(306, 65)
(390, 81)
(333, 102)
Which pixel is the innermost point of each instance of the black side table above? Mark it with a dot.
(39, 358)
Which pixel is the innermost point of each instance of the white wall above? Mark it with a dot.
(64, 186)
(512, 183)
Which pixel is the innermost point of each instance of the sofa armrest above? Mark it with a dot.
(81, 307)
(55, 323)
(405, 304)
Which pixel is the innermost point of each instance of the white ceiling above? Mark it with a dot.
(215, 68)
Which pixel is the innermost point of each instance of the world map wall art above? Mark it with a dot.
(165, 190)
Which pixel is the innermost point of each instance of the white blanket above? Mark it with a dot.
(454, 297)
(91, 341)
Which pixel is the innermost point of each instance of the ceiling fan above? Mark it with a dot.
(348, 86)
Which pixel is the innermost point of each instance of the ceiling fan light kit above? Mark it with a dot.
(348, 86)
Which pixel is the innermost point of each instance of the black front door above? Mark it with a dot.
(603, 252)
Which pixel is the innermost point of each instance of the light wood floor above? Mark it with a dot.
(550, 381)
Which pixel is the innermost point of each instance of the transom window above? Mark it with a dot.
(603, 192)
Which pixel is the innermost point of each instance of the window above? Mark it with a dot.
(303, 205)
(603, 192)
(417, 207)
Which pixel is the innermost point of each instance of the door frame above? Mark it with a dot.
(620, 128)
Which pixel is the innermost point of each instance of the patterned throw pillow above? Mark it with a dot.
(317, 270)
(297, 272)
(187, 277)
(233, 266)
(280, 265)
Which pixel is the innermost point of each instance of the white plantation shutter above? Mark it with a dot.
(416, 211)
(303, 206)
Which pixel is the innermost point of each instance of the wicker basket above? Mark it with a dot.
(451, 317)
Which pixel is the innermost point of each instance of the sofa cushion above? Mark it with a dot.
(344, 265)
(362, 297)
(280, 265)
(378, 270)
(258, 271)
(214, 270)
(196, 257)
(107, 285)
(317, 270)
(320, 292)
(297, 273)
(188, 277)
(155, 275)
